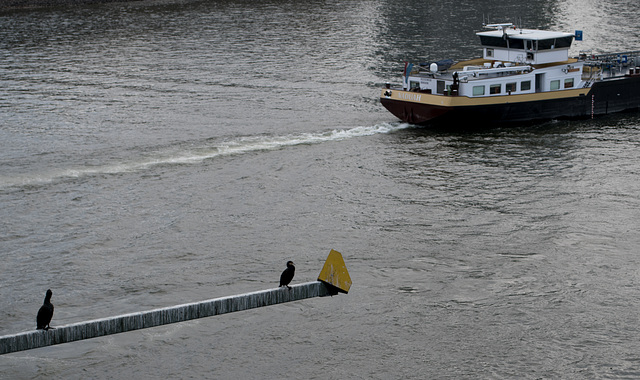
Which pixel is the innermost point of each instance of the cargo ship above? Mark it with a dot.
(524, 75)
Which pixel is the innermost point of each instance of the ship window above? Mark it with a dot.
(546, 44)
(494, 89)
(516, 43)
(564, 42)
(489, 52)
(555, 43)
(531, 45)
(478, 90)
(525, 85)
(493, 41)
(510, 87)
(440, 87)
(568, 83)
(554, 85)
(414, 85)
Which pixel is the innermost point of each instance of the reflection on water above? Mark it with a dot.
(608, 26)
(411, 31)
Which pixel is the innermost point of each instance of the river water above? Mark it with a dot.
(161, 152)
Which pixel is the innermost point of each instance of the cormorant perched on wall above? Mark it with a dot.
(45, 313)
(287, 275)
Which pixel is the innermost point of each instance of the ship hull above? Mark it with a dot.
(604, 97)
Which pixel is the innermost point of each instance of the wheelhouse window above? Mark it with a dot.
(555, 43)
(510, 87)
(478, 90)
(546, 44)
(531, 45)
(568, 83)
(493, 41)
(516, 43)
(525, 85)
(489, 52)
(554, 85)
(414, 85)
(564, 42)
(494, 89)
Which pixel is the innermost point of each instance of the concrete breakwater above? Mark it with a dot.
(157, 317)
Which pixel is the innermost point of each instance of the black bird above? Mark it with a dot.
(45, 313)
(287, 275)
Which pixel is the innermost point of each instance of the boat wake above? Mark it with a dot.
(194, 154)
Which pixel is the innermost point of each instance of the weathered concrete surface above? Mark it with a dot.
(146, 319)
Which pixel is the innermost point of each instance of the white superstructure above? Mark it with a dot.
(515, 61)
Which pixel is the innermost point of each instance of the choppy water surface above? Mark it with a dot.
(156, 153)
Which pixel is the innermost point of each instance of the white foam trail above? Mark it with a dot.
(238, 146)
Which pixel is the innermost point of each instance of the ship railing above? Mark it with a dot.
(590, 80)
(473, 70)
(609, 65)
(625, 59)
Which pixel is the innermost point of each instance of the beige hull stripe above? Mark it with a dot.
(459, 101)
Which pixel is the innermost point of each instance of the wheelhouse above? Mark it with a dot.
(507, 43)
(515, 61)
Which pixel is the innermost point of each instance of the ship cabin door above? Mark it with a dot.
(539, 82)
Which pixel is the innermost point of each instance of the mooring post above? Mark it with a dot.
(325, 286)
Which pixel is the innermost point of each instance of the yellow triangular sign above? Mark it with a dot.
(335, 272)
